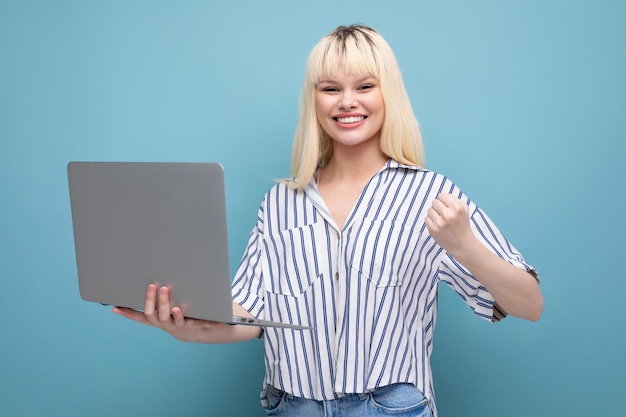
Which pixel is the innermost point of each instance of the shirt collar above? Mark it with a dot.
(393, 164)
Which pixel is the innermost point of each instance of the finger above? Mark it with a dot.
(150, 304)
(433, 221)
(431, 214)
(131, 314)
(429, 223)
(438, 206)
(163, 306)
(179, 318)
(446, 198)
(449, 207)
(149, 309)
(452, 202)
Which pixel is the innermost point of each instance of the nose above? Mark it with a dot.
(347, 101)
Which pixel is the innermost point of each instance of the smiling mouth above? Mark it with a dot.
(349, 120)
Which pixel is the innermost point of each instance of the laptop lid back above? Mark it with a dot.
(137, 223)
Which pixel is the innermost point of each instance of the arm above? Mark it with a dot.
(513, 288)
(159, 313)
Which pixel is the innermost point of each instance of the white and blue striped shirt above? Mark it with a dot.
(369, 290)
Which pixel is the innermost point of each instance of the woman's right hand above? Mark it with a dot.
(158, 312)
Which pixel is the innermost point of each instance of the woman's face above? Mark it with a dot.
(350, 109)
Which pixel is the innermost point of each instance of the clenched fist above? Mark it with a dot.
(448, 223)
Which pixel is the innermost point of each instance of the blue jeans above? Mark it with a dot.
(400, 400)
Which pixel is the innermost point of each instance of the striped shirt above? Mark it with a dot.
(369, 290)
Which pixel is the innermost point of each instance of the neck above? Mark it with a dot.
(354, 164)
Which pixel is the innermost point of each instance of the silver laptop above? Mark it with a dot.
(137, 223)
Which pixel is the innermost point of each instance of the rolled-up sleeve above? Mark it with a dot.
(465, 284)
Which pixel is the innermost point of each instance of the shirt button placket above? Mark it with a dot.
(339, 255)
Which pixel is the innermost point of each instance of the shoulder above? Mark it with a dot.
(422, 183)
(281, 197)
(280, 189)
(396, 170)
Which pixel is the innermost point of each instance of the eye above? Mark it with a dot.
(366, 87)
(329, 89)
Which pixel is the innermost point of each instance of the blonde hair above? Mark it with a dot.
(359, 51)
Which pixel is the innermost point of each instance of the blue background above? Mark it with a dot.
(522, 103)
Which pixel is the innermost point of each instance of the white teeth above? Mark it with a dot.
(352, 119)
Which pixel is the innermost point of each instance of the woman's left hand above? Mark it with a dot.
(448, 223)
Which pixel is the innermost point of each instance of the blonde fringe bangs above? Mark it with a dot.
(354, 55)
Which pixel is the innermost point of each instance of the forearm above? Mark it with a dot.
(515, 290)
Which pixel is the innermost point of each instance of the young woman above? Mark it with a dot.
(354, 245)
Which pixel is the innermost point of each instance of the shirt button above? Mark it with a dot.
(337, 275)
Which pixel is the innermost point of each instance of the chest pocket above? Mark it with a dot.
(295, 258)
(383, 251)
